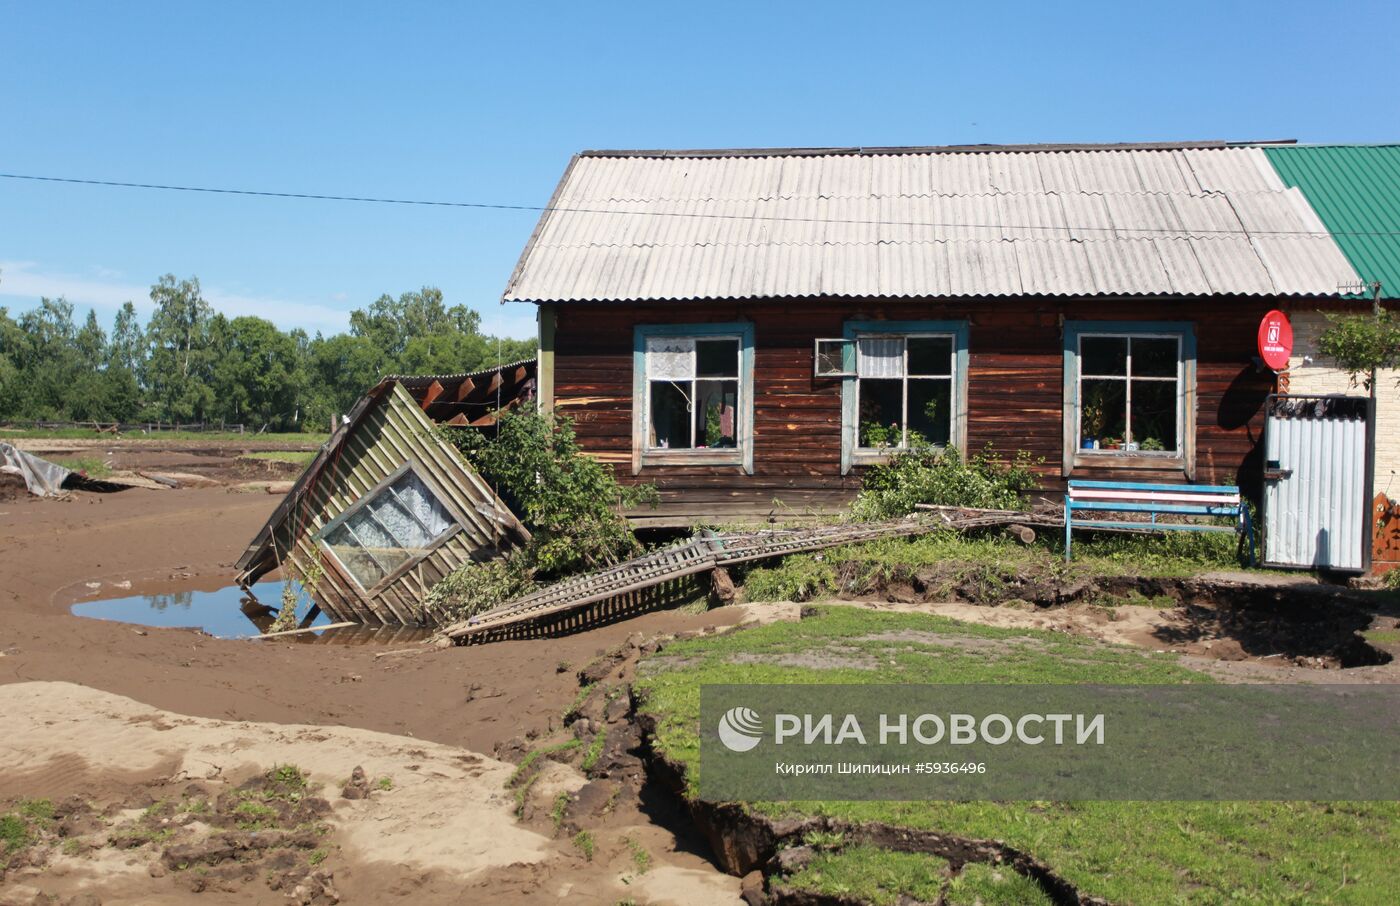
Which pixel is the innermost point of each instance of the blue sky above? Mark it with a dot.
(486, 103)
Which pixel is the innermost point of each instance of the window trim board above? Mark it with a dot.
(742, 454)
(1071, 456)
(411, 465)
(957, 435)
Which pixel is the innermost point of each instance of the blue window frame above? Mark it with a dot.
(906, 380)
(692, 395)
(1130, 395)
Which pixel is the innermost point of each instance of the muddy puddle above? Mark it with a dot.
(227, 612)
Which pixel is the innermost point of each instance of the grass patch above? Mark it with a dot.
(293, 457)
(560, 809)
(584, 841)
(1382, 636)
(877, 876)
(1125, 852)
(987, 885)
(804, 577)
(93, 466)
(673, 695)
(535, 755)
(289, 437)
(641, 859)
(595, 750)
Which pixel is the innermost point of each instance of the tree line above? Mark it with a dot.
(189, 363)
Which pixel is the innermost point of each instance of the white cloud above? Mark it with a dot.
(27, 281)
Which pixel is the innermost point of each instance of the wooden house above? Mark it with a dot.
(387, 507)
(749, 330)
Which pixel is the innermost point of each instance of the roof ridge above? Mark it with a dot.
(895, 150)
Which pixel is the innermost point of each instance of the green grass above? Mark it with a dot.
(985, 885)
(289, 437)
(294, 457)
(92, 465)
(595, 750)
(1382, 636)
(584, 841)
(804, 577)
(1126, 852)
(641, 859)
(877, 876)
(673, 695)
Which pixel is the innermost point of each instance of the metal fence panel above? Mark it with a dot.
(1316, 494)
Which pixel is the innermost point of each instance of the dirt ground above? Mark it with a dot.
(466, 700)
(113, 721)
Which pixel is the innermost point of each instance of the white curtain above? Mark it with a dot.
(881, 357)
(670, 358)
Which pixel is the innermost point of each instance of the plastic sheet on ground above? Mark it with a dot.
(42, 477)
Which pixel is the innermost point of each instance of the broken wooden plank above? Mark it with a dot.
(430, 395)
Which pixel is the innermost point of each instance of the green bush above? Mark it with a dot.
(570, 501)
(475, 587)
(926, 474)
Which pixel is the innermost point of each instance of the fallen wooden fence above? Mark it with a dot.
(711, 550)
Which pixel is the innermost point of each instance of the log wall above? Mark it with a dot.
(1014, 393)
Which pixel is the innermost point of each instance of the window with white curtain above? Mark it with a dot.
(904, 390)
(692, 393)
(390, 527)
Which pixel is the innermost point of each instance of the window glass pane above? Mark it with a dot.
(834, 357)
(881, 357)
(930, 355)
(881, 404)
(402, 529)
(1102, 410)
(390, 529)
(716, 410)
(717, 358)
(930, 409)
(671, 358)
(670, 416)
(1154, 415)
(356, 560)
(417, 499)
(1154, 357)
(1103, 355)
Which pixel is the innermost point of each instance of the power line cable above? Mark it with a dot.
(559, 209)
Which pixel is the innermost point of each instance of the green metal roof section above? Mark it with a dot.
(1355, 189)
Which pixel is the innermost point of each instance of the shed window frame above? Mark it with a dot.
(457, 524)
(1183, 458)
(852, 453)
(741, 454)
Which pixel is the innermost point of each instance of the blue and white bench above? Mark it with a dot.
(1092, 497)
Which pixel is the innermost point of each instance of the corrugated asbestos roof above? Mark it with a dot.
(1355, 190)
(1150, 220)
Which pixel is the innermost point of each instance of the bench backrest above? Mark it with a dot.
(1197, 499)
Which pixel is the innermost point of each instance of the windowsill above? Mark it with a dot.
(1129, 459)
(727, 456)
(869, 457)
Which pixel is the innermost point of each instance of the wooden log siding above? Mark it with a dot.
(392, 432)
(1015, 387)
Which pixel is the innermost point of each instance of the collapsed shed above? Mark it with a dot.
(387, 507)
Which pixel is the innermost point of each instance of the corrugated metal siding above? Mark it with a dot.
(1314, 518)
(1355, 190)
(393, 432)
(1106, 222)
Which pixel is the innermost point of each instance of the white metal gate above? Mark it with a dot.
(1317, 482)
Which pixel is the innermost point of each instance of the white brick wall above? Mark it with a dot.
(1321, 376)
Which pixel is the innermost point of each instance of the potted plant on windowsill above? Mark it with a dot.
(1111, 443)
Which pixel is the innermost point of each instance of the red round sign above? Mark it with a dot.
(1275, 340)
